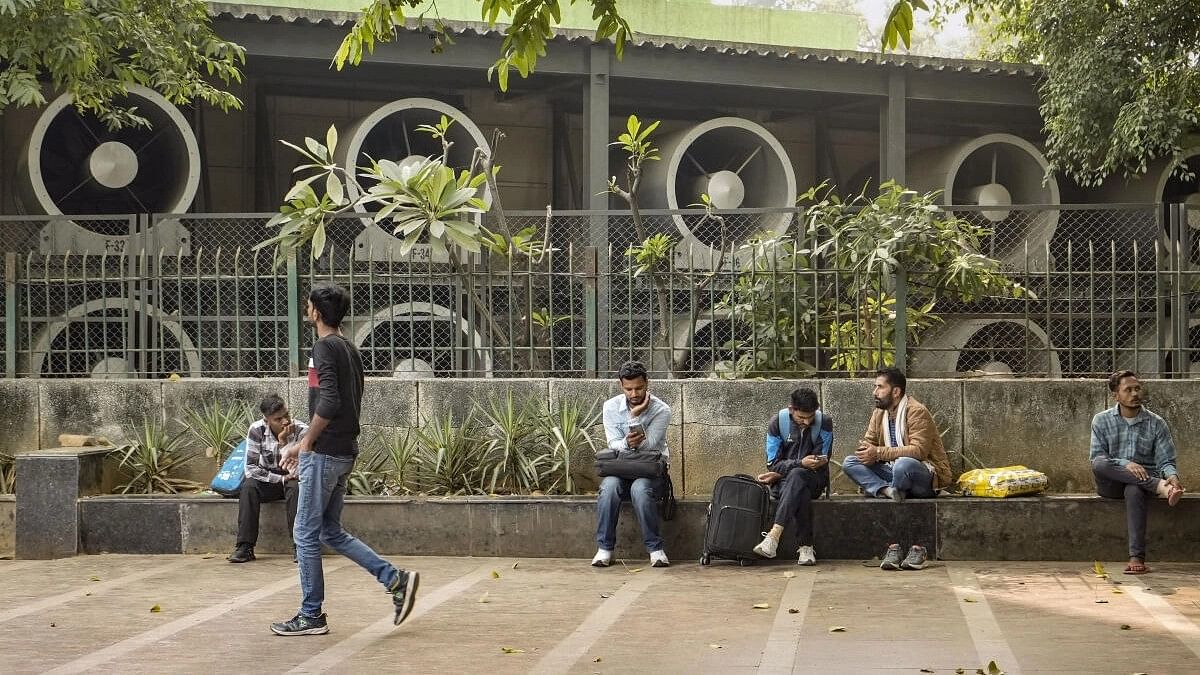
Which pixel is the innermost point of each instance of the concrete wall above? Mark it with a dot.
(8, 528)
(717, 426)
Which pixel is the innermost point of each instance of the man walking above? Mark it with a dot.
(325, 457)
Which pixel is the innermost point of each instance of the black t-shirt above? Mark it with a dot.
(335, 386)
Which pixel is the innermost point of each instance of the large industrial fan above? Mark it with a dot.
(1151, 360)
(74, 165)
(112, 338)
(1166, 182)
(986, 347)
(738, 164)
(414, 340)
(698, 347)
(995, 170)
(391, 132)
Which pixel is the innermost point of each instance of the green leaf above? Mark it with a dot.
(331, 138)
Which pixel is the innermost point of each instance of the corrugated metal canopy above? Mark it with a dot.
(248, 12)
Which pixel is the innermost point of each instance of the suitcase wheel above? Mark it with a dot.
(743, 562)
(705, 560)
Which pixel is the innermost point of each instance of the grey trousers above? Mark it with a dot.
(1115, 482)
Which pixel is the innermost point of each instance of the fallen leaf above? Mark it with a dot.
(156, 608)
(515, 564)
(635, 570)
(793, 610)
(606, 595)
(1117, 591)
(207, 557)
(495, 574)
(1125, 626)
(173, 377)
(596, 660)
(484, 597)
(789, 575)
(86, 594)
(959, 671)
(512, 650)
(1098, 567)
(54, 625)
(716, 646)
(994, 669)
(762, 605)
(970, 600)
(837, 629)
(1101, 602)
(926, 670)
(93, 578)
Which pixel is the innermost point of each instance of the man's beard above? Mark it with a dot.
(634, 401)
(882, 403)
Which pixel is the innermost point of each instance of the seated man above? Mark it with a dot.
(1133, 456)
(900, 456)
(265, 481)
(633, 420)
(797, 470)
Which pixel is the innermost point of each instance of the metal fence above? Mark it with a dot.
(1110, 286)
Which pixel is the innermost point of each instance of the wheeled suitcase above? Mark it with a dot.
(737, 517)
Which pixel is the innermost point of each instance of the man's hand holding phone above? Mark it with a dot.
(635, 436)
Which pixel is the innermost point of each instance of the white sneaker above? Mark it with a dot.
(659, 559)
(808, 556)
(603, 558)
(766, 548)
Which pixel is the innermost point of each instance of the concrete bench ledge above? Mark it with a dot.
(1044, 527)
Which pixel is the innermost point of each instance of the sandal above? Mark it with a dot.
(1137, 568)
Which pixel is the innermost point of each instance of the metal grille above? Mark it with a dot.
(1110, 287)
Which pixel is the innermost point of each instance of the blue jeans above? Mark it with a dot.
(613, 491)
(906, 474)
(319, 521)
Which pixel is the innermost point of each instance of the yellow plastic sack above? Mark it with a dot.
(1006, 481)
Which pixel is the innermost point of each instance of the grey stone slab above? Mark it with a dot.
(193, 394)
(389, 402)
(458, 397)
(1083, 528)
(863, 528)
(8, 524)
(532, 528)
(19, 416)
(98, 407)
(738, 403)
(714, 451)
(130, 525)
(49, 483)
(990, 529)
(410, 526)
(1042, 424)
(210, 526)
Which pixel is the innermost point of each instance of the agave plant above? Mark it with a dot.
(8, 473)
(569, 429)
(153, 458)
(512, 434)
(452, 459)
(219, 426)
(388, 467)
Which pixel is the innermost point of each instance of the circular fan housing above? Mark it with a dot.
(73, 164)
(1004, 347)
(419, 339)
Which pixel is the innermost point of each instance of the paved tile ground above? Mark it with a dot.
(93, 614)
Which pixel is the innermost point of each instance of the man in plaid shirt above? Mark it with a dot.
(1133, 456)
(265, 481)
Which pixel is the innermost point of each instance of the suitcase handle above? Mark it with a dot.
(746, 476)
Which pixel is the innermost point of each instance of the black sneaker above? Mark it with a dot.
(302, 625)
(891, 559)
(241, 554)
(916, 559)
(404, 593)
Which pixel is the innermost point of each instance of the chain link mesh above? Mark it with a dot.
(1108, 288)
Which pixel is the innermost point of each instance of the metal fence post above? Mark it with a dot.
(590, 309)
(10, 314)
(293, 315)
(900, 340)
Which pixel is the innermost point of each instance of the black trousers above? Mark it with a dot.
(1115, 482)
(254, 493)
(795, 493)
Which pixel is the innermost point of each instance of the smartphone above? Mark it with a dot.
(635, 427)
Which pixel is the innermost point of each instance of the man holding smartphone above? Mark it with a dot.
(635, 421)
(265, 480)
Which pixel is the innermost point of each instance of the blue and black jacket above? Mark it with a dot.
(788, 443)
